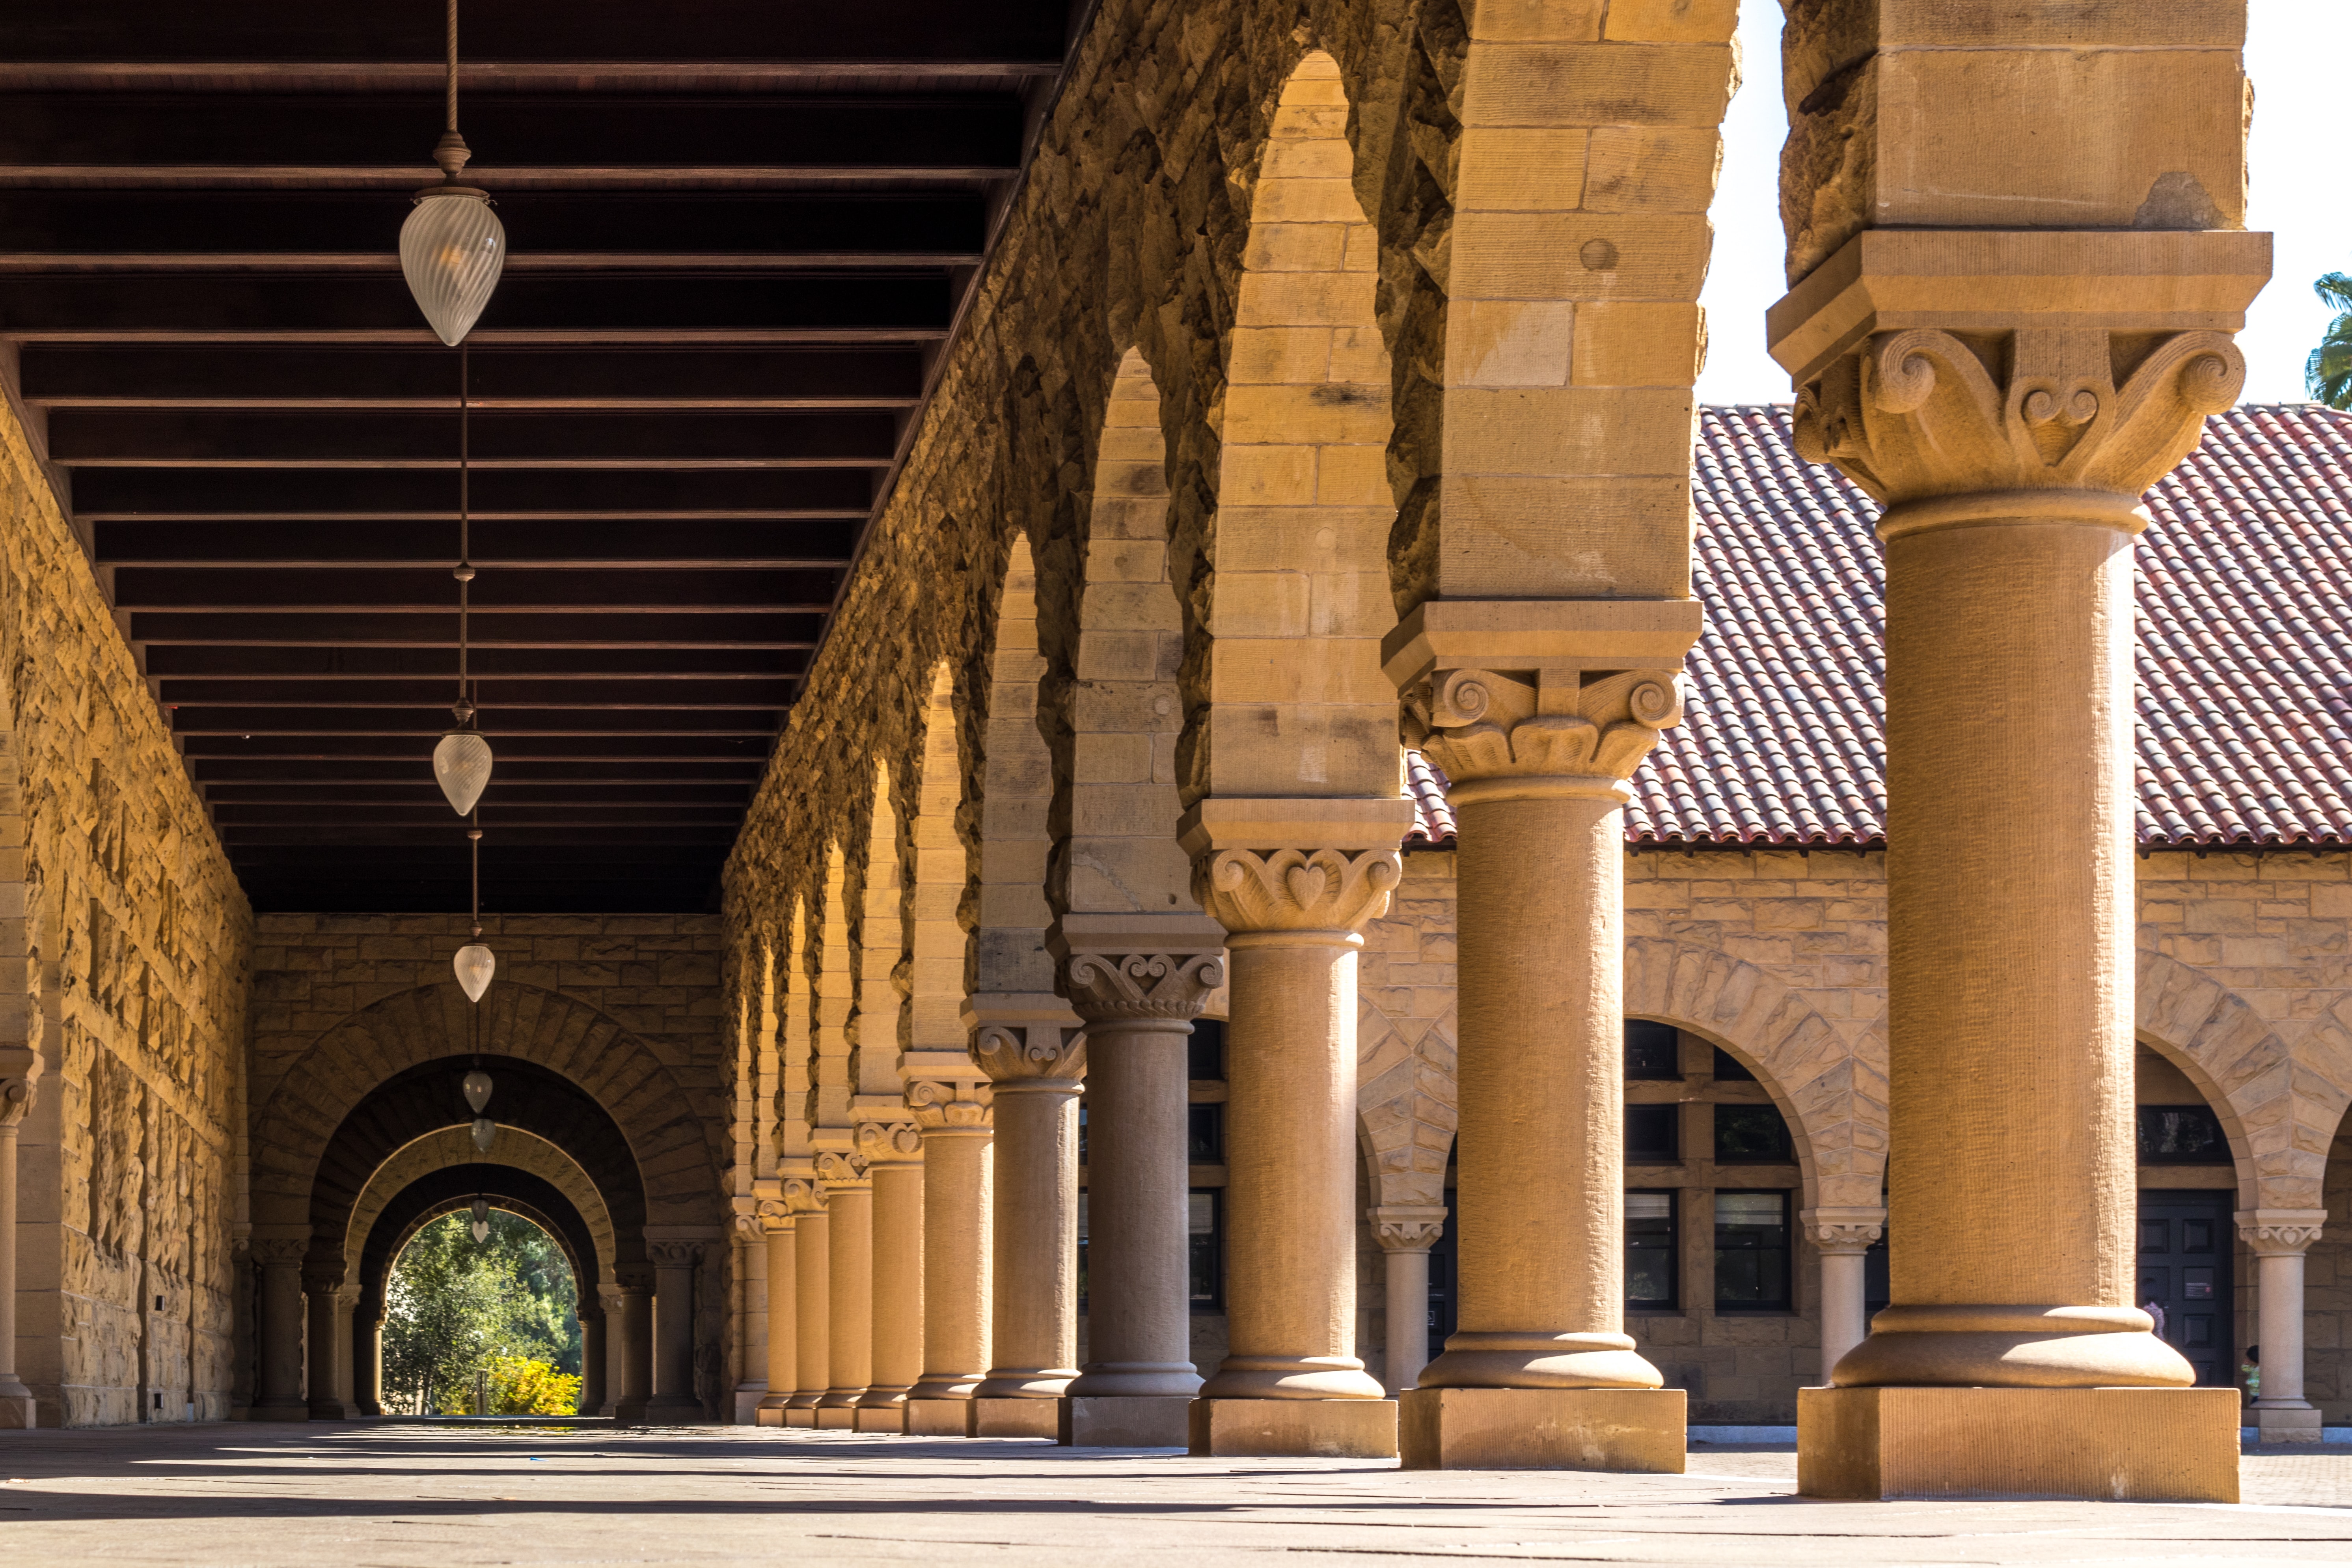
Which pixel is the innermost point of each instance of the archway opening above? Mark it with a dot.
(482, 1325)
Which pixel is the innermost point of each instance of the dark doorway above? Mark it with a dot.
(2185, 1248)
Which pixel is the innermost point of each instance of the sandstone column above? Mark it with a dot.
(674, 1403)
(634, 1299)
(1842, 1237)
(777, 1223)
(812, 1299)
(20, 1071)
(2279, 1238)
(592, 1356)
(278, 1390)
(319, 1286)
(1138, 1006)
(894, 1155)
(1037, 1070)
(2009, 454)
(1406, 1234)
(959, 1136)
(749, 1258)
(1539, 713)
(367, 1359)
(1292, 1383)
(849, 1209)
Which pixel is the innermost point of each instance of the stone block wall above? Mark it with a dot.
(126, 943)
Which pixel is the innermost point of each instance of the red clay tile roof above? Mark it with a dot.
(2245, 647)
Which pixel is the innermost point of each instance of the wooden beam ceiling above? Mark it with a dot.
(740, 234)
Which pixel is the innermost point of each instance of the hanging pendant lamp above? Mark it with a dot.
(453, 248)
(461, 762)
(475, 965)
(477, 1087)
(486, 1132)
(481, 1226)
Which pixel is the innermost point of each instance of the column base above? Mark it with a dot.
(939, 1417)
(333, 1410)
(889, 1418)
(1016, 1418)
(1294, 1428)
(1128, 1421)
(287, 1412)
(747, 1406)
(2287, 1422)
(836, 1417)
(804, 1419)
(17, 1412)
(763, 1416)
(1638, 1430)
(2108, 1445)
(661, 1412)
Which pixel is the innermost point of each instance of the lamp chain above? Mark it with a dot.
(452, 90)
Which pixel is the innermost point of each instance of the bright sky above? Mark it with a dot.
(2295, 52)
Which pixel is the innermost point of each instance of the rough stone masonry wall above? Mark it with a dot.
(137, 940)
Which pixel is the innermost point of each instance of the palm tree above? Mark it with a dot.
(2327, 374)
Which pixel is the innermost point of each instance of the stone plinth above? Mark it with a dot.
(1638, 1429)
(1015, 1417)
(1294, 1428)
(836, 1417)
(2278, 1425)
(2124, 1444)
(939, 1417)
(889, 1418)
(1117, 1421)
(806, 1418)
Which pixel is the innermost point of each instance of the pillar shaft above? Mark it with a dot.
(783, 1316)
(326, 1401)
(591, 1363)
(849, 1209)
(1405, 1234)
(367, 1358)
(17, 1082)
(1844, 1238)
(1034, 1334)
(636, 1350)
(813, 1293)
(673, 1399)
(959, 1190)
(897, 1343)
(278, 1391)
(2279, 1240)
(1138, 1008)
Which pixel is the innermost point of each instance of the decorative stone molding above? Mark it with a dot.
(1105, 986)
(801, 1194)
(323, 1282)
(1483, 724)
(279, 1251)
(752, 1228)
(674, 1254)
(1329, 891)
(1843, 1232)
(840, 1170)
(889, 1142)
(1920, 413)
(20, 1078)
(775, 1216)
(2273, 1233)
(951, 1106)
(1408, 1228)
(1019, 1054)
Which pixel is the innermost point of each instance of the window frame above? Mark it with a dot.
(1788, 1305)
(1673, 1304)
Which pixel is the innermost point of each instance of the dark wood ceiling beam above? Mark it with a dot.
(621, 630)
(240, 376)
(681, 696)
(494, 722)
(415, 752)
(497, 439)
(233, 590)
(342, 494)
(612, 307)
(512, 769)
(436, 814)
(657, 543)
(355, 666)
(698, 796)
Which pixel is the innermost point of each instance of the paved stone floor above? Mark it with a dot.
(357, 1495)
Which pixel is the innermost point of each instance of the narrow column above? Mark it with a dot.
(812, 1292)
(849, 1209)
(2008, 463)
(1136, 1390)
(592, 1356)
(894, 1154)
(320, 1285)
(750, 1258)
(1844, 1238)
(674, 1403)
(634, 1291)
(957, 1126)
(1291, 1383)
(2279, 1238)
(1406, 1233)
(367, 1356)
(777, 1227)
(278, 1390)
(19, 1073)
(1037, 1070)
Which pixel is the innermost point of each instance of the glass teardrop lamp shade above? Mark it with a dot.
(486, 1132)
(461, 766)
(452, 250)
(475, 965)
(481, 1222)
(477, 1082)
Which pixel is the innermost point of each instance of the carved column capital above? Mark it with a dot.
(20, 1077)
(279, 1251)
(841, 1171)
(1331, 892)
(323, 1279)
(951, 1106)
(776, 1217)
(2275, 1233)
(1108, 987)
(751, 1228)
(674, 1254)
(1019, 1057)
(1408, 1228)
(801, 1194)
(1836, 1231)
(1501, 734)
(889, 1143)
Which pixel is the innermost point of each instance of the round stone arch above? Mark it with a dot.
(1833, 1092)
(452, 1190)
(453, 1147)
(2278, 1107)
(346, 1061)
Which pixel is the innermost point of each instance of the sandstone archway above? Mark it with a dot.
(453, 1147)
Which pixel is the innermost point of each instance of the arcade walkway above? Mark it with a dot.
(357, 1495)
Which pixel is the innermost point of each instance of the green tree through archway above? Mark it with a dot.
(508, 1306)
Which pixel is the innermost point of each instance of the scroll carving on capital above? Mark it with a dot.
(837, 1168)
(1921, 413)
(1013, 1053)
(674, 1254)
(15, 1101)
(802, 1195)
(1408, 1229)
(1297, 889)
(1482, 723)
(2281, 1232)
(889, 1143)
(1843, 1232)
(774, 1216)
(277, 1252)
(941, 1106)
(1120, 985)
